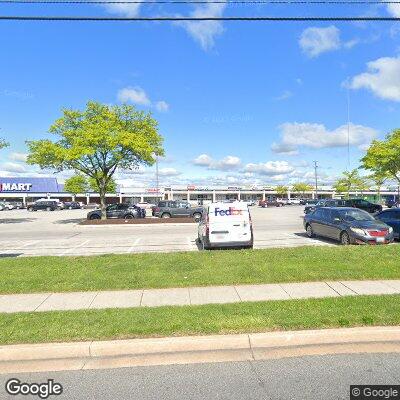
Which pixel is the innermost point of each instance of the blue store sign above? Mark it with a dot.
(29, 185)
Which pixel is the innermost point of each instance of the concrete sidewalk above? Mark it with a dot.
(38, 302)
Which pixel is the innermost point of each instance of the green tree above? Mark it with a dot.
(378, 179)
(281, 190)
(97, 141)
(383, 157)
(302, 187)
(350, 181)
(3, 144)
(110, 188)
(76, 184)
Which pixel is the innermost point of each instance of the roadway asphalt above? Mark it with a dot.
(302, 378)
(59, 233)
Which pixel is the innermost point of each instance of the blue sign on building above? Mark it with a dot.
(29, 185)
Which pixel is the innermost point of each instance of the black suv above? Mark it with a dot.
(176, 208)
(364, 205)
(49, 205)
(72, 205)
(124, 211)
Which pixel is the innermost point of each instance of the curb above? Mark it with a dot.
(196, 349)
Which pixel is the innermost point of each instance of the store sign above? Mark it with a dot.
(15, 187)
(152, 190)
(191, 187)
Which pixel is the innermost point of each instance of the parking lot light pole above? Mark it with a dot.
(316, 178)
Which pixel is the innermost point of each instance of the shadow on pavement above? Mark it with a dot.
(317, 238)
(11, 255)
(69, 221)
(16, 220)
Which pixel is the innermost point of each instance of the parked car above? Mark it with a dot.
(122, 211)
(324, 203)
(145, 205)
(60, 205)
(91, 206)
(17, 204)
(48, 205)
(2, 207)
(392, 202)
(223, 225)
(250, 203)
(72, 205)
(305, 202)
(392, 218)
(176, 208)
(271, 203)
(8, 206)
(364, 205)
(347, 225)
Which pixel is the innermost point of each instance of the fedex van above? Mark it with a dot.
(226, 225)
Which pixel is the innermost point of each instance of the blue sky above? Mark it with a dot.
(237, 103)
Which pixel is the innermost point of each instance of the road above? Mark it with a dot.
(59, 233)
(302, 378)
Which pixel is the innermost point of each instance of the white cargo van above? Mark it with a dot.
(226, 225)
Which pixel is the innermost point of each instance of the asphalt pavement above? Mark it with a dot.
(304, 378)
(58, 233)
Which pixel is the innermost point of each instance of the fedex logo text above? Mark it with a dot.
(229, 211)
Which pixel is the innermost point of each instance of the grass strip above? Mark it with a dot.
(199, 320)
(162, 270)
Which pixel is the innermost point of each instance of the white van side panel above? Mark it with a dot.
(229, 223)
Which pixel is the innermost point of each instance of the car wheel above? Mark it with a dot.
(95, 216)
(166, 215)
(345, 239)
(128, 216)
(310, 232)
(197, 216)
(30, 209)
(48, 209)
(70, 207)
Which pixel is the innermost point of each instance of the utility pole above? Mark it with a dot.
(348, 129)
(157, 181)
(316, 178)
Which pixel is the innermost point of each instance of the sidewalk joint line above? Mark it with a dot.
(240, 299)
(251, 348)
(94, 298)
(333, 288)
(190, 297)
(349, 288)
(286, 291)
(141, 298)
(43, 301)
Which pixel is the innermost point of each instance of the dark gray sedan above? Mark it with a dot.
(124, 211)
(347, 225)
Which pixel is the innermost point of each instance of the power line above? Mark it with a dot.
(164, 19)
(358, 2)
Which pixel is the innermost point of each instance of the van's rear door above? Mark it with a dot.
(229, 223)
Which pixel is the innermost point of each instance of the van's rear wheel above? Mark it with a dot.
(166, 215)
(345, 239)
(310, 232)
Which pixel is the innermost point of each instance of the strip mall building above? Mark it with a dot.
(31, 189)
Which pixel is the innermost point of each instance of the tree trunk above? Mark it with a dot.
(103, 204)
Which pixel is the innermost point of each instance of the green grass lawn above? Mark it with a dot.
(199, 320)
(63, 274)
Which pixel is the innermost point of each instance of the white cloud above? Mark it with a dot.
(14, 167)
(127, 10)
(203, 160)
(382, 78)
(137, 95)
(270, 168)
(134, 95)
(168, 172)
(314, 41)
(228, 163)
(18, 156)
(204, 32)
(162, 106)
(286, 94)
(316, 136)
(394, 10)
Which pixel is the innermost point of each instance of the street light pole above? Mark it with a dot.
(157, 180)
(316, 178)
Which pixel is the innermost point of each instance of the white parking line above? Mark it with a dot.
(75, 247)
(135, 243)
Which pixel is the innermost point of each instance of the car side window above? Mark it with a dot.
(112, 207)
(162, 204)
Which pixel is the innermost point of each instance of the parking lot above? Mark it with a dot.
(58, 233)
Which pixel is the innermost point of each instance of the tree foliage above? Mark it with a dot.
(383, 156)
(76, 184)
(3, 143)
(302, 187)
(97, 141)
(350, 181)
(281, 190)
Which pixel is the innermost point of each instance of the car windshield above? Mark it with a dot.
(355, 215)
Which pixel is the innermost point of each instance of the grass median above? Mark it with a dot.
(162, 270)
(199, 320)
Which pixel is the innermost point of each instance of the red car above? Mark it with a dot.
(270, 203)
